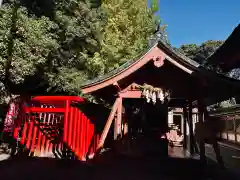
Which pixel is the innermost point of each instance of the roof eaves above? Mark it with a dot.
(178, 56)
(160, 43)
(117, 71)
(233, 37)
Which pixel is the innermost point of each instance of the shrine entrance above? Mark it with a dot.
(146, 124)
(140, 92)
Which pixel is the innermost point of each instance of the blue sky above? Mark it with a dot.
(195, 21)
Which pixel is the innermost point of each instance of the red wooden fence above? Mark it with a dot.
(50, 123)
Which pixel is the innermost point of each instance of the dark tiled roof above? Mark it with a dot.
(158, 42)
(232, 84)
(176, 54)
(227, 56)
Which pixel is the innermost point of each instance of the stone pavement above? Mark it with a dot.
(178, 152)
(112, 165)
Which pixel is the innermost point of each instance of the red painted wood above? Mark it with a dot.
(66, 123)
(52, 110)
(50, 149)
(74, 127)
(38, 132)
(83, 137)
(58, 98)
(77, 133)
(153, 53)
(38, 147)
(24, 131)
(15, 132)
(35, 131)
(43, 144)
(47, 145)
(131, 94)
(108, 124)
(30, 132)
(79, 117)
(88, 134)
(70, 128)
(92, 138)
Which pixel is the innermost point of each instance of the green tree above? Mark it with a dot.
(25, 43)
(47, 50)
(126, 32)
(55, 46)
(202, 52)
(78, 35)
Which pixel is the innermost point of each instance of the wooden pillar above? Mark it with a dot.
(185, 118)
(108, 124)
(190, 122)
(201, 141)
(115, 127)
(118, 121)
(182, 124)
(234, 127)
(125, 127)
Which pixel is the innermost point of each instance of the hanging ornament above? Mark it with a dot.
(161, 96)
(158, 95)
(153, 94)
(148, 100)
(147, 96)
(150, 94)
(154, 97)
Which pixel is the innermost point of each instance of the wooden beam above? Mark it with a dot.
(179, 65)
(131, 94)
(108, 124)
(130, 87)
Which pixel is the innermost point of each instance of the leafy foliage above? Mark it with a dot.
(28, 44)
(202, 52)
(55, 46)
(126, 32)
(154, 5)
(71, 63)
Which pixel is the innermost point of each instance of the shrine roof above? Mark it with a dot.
(161, 44)
(227, 56)
(219, 86)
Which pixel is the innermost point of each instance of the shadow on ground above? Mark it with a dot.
(109, 166)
